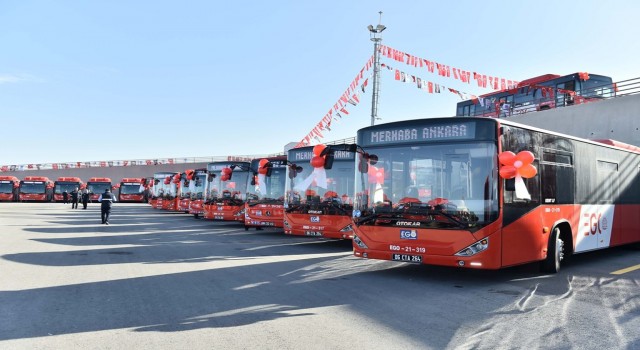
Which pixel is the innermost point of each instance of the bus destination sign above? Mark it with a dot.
(441, 132)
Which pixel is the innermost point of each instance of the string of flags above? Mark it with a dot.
(443, 70)
(351, 97)
(423, 84)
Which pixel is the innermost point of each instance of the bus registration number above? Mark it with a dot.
(406, 258)
(313, 233)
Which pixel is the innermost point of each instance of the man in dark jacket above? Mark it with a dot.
(106, 199)
(84, 194)
(74, 198)
(65, 197)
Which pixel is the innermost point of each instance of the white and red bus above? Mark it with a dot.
(66, 184)
(198, 186)
(489, 193)
(165, 190)
(319, 191)
(265, 193)
(185, 188)
(131, 190)
(538, 94)
(9, 188)
(97, 186)
(226, 190)
(36, 188)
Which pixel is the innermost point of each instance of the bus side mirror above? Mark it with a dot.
(210, 177)
(253, 180)
(328, 160)
(510, 184)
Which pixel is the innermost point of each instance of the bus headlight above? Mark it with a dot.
(359, 242)
(286, 224)
(475, 248)
(347, 228)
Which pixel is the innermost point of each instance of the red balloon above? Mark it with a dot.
(317, 149)
(528, 171)
(262, 171)
(224, 177)
(263, 162)
(507, 172)
(525, 157)
(226, 171)
(507, 158)
(317, 162)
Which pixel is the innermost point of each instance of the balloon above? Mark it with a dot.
(528, 171)
(262, 171)
(224, 177)
(525, 157)
(507, 158)
(317, 162)
(317, 149)
(226, 171)
(507, 172)
(262, 163)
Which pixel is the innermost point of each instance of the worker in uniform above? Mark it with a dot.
(74, 198)
(106, 199)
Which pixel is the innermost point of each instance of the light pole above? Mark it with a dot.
(375, 31)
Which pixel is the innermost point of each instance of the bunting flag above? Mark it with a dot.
(447, 71)
(350, 97)
(429, 86)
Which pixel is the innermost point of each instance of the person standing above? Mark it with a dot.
(65, 197)
(85, 198)
(74, 198)
(106, 199)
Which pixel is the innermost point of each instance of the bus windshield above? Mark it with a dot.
(6, 187)
(198, 186)
(271, 189)
(98, 187)
(235, 188)
(130, 188)
(597, 86)
(305, 189)
(65, 186)
(454, 184)
(32, 187)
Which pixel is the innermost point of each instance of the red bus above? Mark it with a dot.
(198, 186)
(36, 188)
(97, 186)
(66, 184)
(9, 188)
(320, 189)
(226, 190)
(165, 190)
(131, 190)
(539, 93)
(489, 193)
(265, 193)
(184, 192)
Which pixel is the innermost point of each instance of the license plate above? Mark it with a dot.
(313, 233)
(406, 258)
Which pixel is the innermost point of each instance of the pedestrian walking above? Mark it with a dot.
(85, 197)
(74, 198)
(106, 199)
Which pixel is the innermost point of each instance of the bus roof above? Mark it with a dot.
(68, 179)
(132, 179)
(8, 178)
(538, 79)
(619, 144)
(36, 178)
(99, 179)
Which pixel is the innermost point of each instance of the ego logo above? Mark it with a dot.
(315, 219)
(408, 234)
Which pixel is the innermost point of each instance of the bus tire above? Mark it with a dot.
(555, 253)
(196, 216)
(246, 228)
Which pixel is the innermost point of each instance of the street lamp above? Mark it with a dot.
(375, 31)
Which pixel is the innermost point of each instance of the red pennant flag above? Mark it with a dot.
(344, 111)
(398, 77)
(430, 87)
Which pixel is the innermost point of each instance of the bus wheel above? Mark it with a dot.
(555, 253)
(195, 216)
(246, 228)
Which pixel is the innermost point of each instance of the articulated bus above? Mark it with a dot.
(226, 190)
(265, 193)
(36, 188)
(319, 191)
(538, 94)
(131, 190)
(97, 186)
(9, 189)
(66, 184)
(488, 193)
(199, 186)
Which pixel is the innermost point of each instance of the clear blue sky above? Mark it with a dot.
(117, 80)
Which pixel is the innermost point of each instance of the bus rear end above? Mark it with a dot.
(320, 190)
(265, 193)
(97, 186)
(67, 184)
(131, 190)
(226, 190)
(427, 193)
(9, 188)
(36, 188)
